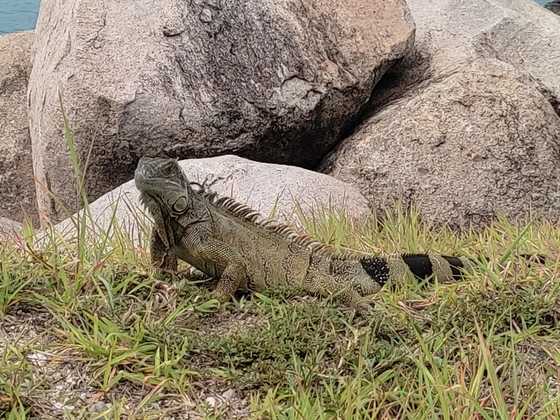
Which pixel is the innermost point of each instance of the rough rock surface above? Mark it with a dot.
(17, 188)
(275, 81)
(8, 228)
(450, 33)
(274, 190)
(481, 141)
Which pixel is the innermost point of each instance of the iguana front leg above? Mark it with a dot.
(225, 261)
(162, 260)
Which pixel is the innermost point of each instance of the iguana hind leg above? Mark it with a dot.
(232, 278)
(342, 290)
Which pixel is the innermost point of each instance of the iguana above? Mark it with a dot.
(230, 241)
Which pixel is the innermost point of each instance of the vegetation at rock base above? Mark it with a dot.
(88, 331)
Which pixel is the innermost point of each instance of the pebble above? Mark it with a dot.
(98, 407)
(38, 359)
(229, 395)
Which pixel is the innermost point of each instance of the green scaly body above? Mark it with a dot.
(230, 241)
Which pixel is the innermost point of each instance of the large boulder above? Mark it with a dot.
(450, 33)
(479, 142)
(17, 188)
(282, 192)
(276, 81)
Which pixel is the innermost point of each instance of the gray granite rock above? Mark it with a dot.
(452, 33)
(464, 148)
(17, 187)
(274, 81)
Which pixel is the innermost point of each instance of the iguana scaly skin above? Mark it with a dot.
(230, 241)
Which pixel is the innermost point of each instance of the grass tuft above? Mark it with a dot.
(486, 347)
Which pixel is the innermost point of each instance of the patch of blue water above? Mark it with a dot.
(18, 15)
(21, 15)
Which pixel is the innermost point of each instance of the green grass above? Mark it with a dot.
(488, 347)
(87, 331)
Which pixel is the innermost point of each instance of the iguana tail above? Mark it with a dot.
(443, 268)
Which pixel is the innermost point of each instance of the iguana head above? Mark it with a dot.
(164, 189)
(159, 173)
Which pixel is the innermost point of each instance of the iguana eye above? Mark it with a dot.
(180, 205)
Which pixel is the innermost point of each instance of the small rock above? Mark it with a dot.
(98, 407)
(211, 401)
(38, 359)
(229, 395)
(206, 15)
(58, 406)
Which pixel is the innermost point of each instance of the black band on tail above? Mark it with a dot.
(377, 268)
(419, 264)
(456, 266)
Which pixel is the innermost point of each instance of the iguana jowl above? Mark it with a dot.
(230, 241)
